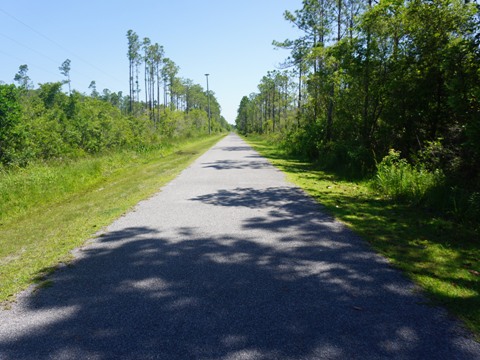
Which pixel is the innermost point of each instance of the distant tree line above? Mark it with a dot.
(47, 123)
(273, 108)
(160, 74)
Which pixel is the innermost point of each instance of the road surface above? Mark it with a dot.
(229, 261)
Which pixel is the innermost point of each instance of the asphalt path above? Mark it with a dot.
(229, 261)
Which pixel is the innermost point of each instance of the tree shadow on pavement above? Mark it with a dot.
(142, 294)
(237, 148)
(237, 164)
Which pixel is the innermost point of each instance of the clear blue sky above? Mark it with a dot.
(230, 39)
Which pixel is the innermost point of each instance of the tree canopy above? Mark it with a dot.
(367, 77)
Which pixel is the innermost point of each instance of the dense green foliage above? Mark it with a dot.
(9, 118)
(50, 124)
(45, 123)
(369, 77)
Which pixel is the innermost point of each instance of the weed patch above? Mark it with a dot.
(399, 180)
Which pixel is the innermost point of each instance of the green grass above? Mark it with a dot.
(48, 210)
(442, 256)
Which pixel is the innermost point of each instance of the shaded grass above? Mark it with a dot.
(442, 256)
(66, 204)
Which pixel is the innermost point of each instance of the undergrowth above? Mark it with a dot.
(399, 180)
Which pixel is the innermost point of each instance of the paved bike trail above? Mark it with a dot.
(229, 261)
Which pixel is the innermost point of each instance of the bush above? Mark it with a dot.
(9, 119)
(302, 141)
(399, 180)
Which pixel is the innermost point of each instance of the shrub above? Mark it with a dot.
(302, 141)
(399, 180)
(9, 119)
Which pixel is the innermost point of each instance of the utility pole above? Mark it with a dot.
(208, 96)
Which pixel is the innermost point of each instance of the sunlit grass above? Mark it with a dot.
(51, 209)
(442, 256)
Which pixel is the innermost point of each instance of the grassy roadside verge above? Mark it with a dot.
(441, 256)
(65, 205)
